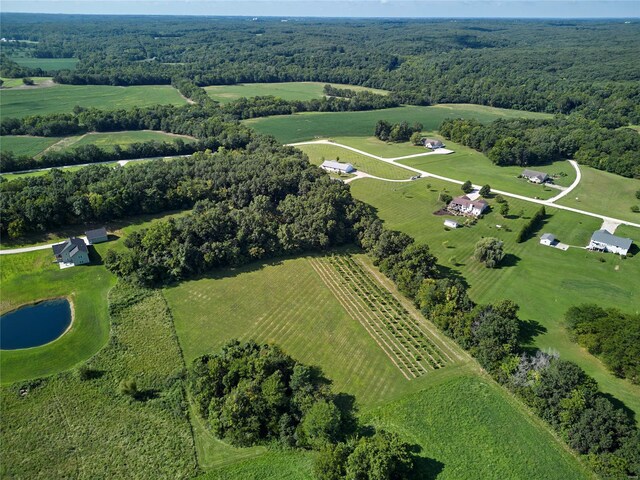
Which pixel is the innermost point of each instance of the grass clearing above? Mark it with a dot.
(65, 427)
(108, 140)
(47, 64)
(17, 82)
(284, 90)
(311, 125)
(62, 98)
(544, 281)
(320, 152)
(468, 428)
(605, 193)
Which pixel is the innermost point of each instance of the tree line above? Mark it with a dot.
(536, 142)
(611, 335)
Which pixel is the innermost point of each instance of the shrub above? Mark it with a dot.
(489, 251)
(467, 187)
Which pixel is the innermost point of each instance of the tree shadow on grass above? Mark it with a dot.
(620, 404)
(146, 395)
(425, 468)
(529, 329)
(509, 260)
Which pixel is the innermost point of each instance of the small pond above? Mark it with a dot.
(34, 325)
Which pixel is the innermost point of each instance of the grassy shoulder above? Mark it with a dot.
(307, 126)
(605, 193)
(62, 98)
(284, 90)
(69, 426)
(544, 281)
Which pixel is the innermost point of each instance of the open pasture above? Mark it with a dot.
(17, 82)
(284, 90)
(26, 145)
(307, 126)
(319, 152)
(62, 98)
(605, 193)
(123, 139)
(544, 281)
(467, 427)
(47, 64)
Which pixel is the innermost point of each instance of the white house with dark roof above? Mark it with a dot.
(432, 143)
(337, 167)
(74, 251)
(465, 206)
(98, 235)
(548, 239)
(534, 177)
(603, 241)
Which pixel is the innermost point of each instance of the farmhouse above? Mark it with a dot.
(547, 239)
(432, 143)
(535, 177)
(337, 167)
(603, 241)
(465, 206)
(451, 224)
(73, 251)
(98, 235)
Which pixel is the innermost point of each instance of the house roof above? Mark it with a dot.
(432, 140)
(602, 236)
(97, 233)
(336, 165)
(73, 244)
(533, 173)
(466, 201)
(548, 236)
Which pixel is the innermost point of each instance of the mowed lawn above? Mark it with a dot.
(25, 145)
(284, 90)
(605, 193)
(62, 98)
(467, 427)
(544, 281)
(320, 152)
(307, 126)
(30, 277)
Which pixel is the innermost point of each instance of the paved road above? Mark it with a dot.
(358, 174)
(548, 203)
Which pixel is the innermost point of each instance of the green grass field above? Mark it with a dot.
(307, 126)
(17, 82)
(544, 281)
(318, 153)
(305, 318)
(480, 434)
(62, 98)
(284, 90)
(24, 145)
(605, 193)
(47, 64)
(66, 427)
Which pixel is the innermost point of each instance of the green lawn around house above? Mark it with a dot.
(284, 90)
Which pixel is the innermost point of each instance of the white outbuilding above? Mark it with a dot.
(337, 167)
(547, 239)
(451, 224)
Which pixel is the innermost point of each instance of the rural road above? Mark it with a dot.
(360, 174)
(575, 183)
(548, 203)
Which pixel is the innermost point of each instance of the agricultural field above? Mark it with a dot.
(307, 316)
(605, 193)
(308, 126)
(320, 152)
(284, 90)
(62, 98)
(79, 424)
(26, 145)
(529, 272)
(47, 64)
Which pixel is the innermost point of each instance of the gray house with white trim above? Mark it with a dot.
(98, 235)
(534, 177)
(72, 251)
(603, 241)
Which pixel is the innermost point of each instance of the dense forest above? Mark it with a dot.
(550, 66)
(537, 142)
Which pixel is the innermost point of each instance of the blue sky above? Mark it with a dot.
(340, 8)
